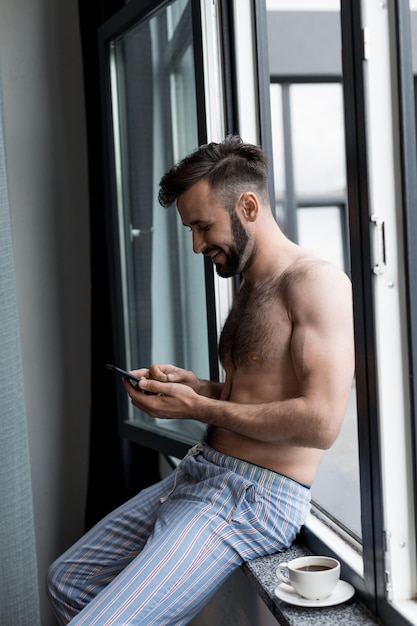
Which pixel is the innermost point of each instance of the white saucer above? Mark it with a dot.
(344, 591)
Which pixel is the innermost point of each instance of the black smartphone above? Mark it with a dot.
(133, 379)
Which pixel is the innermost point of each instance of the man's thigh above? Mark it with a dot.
(184, 561)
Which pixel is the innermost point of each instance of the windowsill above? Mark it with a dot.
(406, 608)
(341, 548)
(261, 574)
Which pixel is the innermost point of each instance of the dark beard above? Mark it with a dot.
(236, 252)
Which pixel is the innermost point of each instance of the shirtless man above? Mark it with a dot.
(287, 351)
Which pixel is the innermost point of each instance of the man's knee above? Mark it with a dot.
(56, 590)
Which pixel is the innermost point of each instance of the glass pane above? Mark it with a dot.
(336, 488)
(318, 138)
(309, 168)
(174, 13)
(278, 151)
(162, 280)
(320, 229)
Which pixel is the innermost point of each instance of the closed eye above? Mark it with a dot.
(199, 226)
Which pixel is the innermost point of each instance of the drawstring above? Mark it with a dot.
(191, 452)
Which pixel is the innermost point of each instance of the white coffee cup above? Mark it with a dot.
(312, 577)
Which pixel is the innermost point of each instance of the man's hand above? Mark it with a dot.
(169, 400)
(173, 374)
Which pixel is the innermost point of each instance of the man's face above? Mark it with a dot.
(215, 233)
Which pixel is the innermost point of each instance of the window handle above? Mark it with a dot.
(137, 232)
(379, 260)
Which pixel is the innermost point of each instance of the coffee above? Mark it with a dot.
(313, 577)
(313, 568)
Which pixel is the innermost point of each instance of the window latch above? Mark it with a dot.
(387, 562)
(138, 232)
(379, 260)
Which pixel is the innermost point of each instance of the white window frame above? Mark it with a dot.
(384, 176)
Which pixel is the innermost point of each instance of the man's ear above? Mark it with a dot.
(249, 206)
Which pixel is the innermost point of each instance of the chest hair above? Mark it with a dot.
(257, 329)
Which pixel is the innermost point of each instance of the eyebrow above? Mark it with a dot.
(195, 223)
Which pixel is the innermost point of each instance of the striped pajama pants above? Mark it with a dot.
(159, 558)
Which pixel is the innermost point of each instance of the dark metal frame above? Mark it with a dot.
(367, 396)
(131, 14)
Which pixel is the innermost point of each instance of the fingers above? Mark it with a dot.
(163, 372)
(150, 396)
(143, 372)
(147, 386)
(154, 387)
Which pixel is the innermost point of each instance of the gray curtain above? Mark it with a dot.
(19, 595)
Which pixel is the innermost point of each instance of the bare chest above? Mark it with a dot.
(257, 331)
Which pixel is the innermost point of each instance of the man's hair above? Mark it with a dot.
(230, 167)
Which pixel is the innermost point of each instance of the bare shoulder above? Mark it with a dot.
(314, 283)
(309, 270)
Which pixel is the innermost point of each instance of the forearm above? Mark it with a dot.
(305, 421)
(290, 422)
(209, 389)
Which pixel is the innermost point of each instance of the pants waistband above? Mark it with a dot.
(240, 466)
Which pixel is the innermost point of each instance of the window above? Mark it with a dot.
(379, 118)
(380, 132)
(162, 308)
(360, 214)
(162, 71)
(311, 204)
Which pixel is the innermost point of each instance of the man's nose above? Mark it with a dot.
(198, 242)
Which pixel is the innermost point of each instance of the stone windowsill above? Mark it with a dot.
(261, 574)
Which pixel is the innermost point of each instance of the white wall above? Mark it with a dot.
(41, 76)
